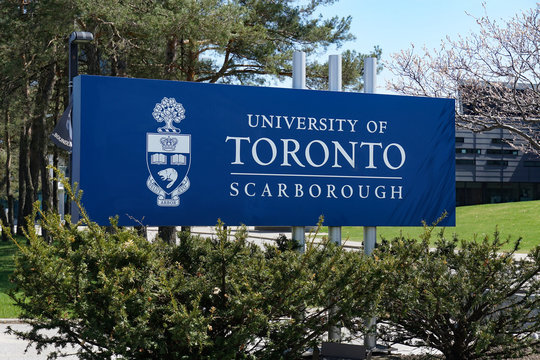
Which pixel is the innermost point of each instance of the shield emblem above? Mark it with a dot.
(168, 158)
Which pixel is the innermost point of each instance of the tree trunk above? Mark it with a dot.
(23, 156)
(46, 195)
(57, 114)
(55, 183)
(142, 231)
(167, 234)
(4, 219)
(11, 215)
(39, 136)
(31, 194)
(170, 57)
(9, 196)
(23, 167)
(93, 57)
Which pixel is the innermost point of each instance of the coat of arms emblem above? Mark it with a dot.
(168, 154)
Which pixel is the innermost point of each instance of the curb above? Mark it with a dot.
(12, 321)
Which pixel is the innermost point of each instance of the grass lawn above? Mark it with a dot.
(520, 219)
(7, 251)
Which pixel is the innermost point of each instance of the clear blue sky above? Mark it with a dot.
(394, 25)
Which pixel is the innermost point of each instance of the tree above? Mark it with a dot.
(241, 42)
(466, 298)
(494, 75)
(32, 50)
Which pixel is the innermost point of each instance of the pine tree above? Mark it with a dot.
(235, 41)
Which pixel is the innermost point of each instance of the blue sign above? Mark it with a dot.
(183, 153)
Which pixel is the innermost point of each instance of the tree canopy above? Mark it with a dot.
(247, 42)
(493, 74)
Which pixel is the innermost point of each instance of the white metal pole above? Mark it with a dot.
(299, 82)
(334, 332)
(299, 235)
(370, 239)
(334, 73)
(61, 192)
(370, 80)
(370, 232)
(334, 84)
(370, 75)
(61, 200)
(299, 70)
(334, 232)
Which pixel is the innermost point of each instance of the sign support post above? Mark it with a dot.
(370, 239)
(334, 332)
(370, 232)
(334, 84)
(299, 82)
(334, 232)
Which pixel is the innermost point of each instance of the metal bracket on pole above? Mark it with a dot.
(73, 68)
(370, 232)
(76, 37)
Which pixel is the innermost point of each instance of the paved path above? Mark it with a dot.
(264, 236)
(12, 348)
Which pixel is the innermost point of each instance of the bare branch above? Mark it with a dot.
(494, 75)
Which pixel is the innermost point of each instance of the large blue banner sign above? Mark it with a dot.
(178, 153)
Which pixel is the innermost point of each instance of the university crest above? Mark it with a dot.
(168, 154)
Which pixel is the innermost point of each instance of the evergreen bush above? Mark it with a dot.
(465, 298)
(114, 294)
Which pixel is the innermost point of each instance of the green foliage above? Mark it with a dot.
(240, 41)
(283, 243)
(352, 67)
(235, 41)
(467, 299)
(112, 293)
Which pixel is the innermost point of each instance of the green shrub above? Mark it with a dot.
(112, 293)
(466, 299)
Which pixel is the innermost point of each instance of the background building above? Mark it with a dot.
(490, 170)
